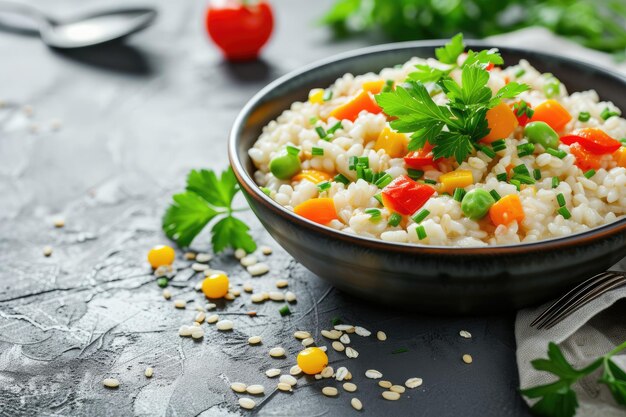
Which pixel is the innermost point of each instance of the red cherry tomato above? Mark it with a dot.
(239, 30)
(592, 140)
(585, 160)
(420, 158)
(405, 196)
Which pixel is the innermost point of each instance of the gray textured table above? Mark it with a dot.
(112, 133)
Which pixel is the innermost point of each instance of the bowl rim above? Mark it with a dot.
(254, 191)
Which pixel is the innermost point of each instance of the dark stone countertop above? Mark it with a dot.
(113, 132)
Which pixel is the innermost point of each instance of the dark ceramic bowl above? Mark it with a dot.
(428, 278)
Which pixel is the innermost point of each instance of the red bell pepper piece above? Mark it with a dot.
(420, 158)
(522, 109)
(585, 160)
(592, 140)
(405, 196)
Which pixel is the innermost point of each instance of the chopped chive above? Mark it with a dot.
(383, 180)
(313, 120)
(399, 350)
(520, 72)
(368, 174)
(379, 198)
(328, 95)
(321, 132)
(364, 161)
(524, 179)
(584, 116)
(563, 211)
(352, 163)
(292, 150)
(421, 232)
(336, 321)
(324, 185)
(555, 182)
(376, 176)
(360, 174)
(525, 149)
(342, 179)
(560, 198)
(503, 177)
(315, 151)
(394, 219)
(429, 181)
(606, 113)
(421, 215)
(266, 191)
(488, 151)
(498, 145)
(516, 183)
(335, 128)
(162, 282)
(458, 195)
(495, 195)
(537, 173)
(414, 174)
(559, 153)
(590, 173)
(521, 169)
(387, 87)
(374, 214)
(284, 310)
(623, 140)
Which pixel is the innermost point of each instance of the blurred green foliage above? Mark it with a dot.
(598, 24)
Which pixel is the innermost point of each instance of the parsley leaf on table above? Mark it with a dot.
(207, 197)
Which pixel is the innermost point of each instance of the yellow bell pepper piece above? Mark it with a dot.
(394, 144)
(373, 87)
(460, 178)
(312, 175)
(316, 96)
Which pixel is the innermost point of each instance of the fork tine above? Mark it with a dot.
(617, 281)
(554, 306)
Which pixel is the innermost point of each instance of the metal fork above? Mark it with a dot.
(579, 296)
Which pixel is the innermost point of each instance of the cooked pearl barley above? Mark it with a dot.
(198, 267)
(255, 340)
(467, 358)
(240, 253)
(345, 339)
(266, 250)
(356, 404)
(111, 383)
(198, 286)
(238, 387)
(247, 287)
(343, 327)
(47, 250)
(59, 223)
(351, 353)
(167, 294)
(257, 297)
(271, 373)
(391, 396)
(331, 334)
(190, 256)
(255, 389)
(330, 391)
(213, 318)
(349, 376)
(180, 303)
(349, 386)
(258, 269)
(235, 292)
(338, 346)
(282, 283)
(465, 334)
(308, 342)
(248, 260)
(277, 296)
(229, 297)
(295, 370)
(397, 388)
(381, 336)
(288, 379)
(373, 374)
(301, 335)
(327, 372)
(413, 382)
(284, 387)
(247, 403)
(185, 331)
(210, 306)
(341, 373)
(197, 333)
(290, 297)
(277, 352)
(318, 376)
(203, 258)
(224, 325)
(200, 317)
(149, 372)
(385, 384)
(362, 331)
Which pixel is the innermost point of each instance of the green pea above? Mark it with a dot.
(543, 134)
(476, 203)
(285, 166)
(552, 87)
(162, 282)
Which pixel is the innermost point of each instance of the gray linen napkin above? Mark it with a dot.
(599, 326)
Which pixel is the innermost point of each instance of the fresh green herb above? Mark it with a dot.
(324, 185)
(525, 149)
(607, 113)
(368, 174)
(458, 194)
(328, 95)
(292, 150)
(523, 179)
(555, 182)
(313, 120)
(453, 128)
(502, 177)
(488, 151)
(335, 321)
(207, 197)
(429, 181)
(335, 128)
(284, 310)
(383, 180)
(399, 350)
(498, 145)
(421, 232)
(623, 140)
(590, 173)
(364, 161)
(517, 183)
(559, 153)
(388, 86)
(162, 282)
(495, 195)
(560, 198)
(563, 211)
(379, 198)
(414, 174)
(342, 179)
(449, 53)
(266, 191)
(558, 399)
(584, 116)
(521, 108)
(374, 214)
(394, 219)
(353, 161)
(420, 216)
(521, 169)
(315, 151)
(537, 174)
(520, 72)
(321, 132)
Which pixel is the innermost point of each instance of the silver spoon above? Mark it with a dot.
(86, 30)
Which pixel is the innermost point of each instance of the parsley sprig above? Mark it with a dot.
(208, 197)
(455, 127)
(558, 399)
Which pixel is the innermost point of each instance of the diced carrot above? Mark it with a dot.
(316, 96)
(502, 122)
(506, 210)
(373, 87)
(620, 157)
(318, 210)
(312, 175)
(552, 113)
(395, 144)
(351, 109)
(460, 178)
